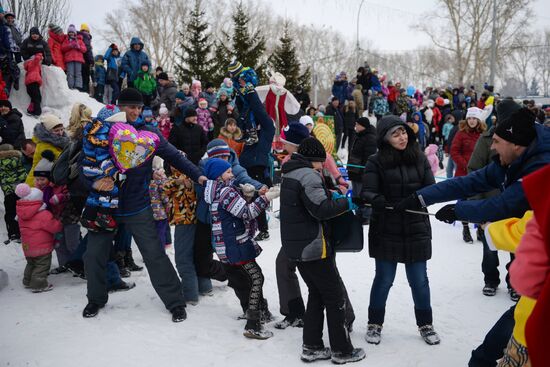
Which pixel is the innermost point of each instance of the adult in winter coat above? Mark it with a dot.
(363, 147)
(523, 147)
(357, 96)
(12, 130)
(73, 49)
(462, 148)
(16, 37)
(302, 97)
(225, 110)
(393, 173)
(134, 211)
(333, 109)
(88, 56)
(306, 207)
(167, 91)
(340, 86)
(133, 59)
(36, 44)
(55, 40)
(350, 117)
(49, 134)
(189, 137)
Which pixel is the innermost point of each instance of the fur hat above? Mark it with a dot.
(475, 112)
(163, 110)
(71, 28)
(218, 148)
(130, 97)
(50, 121)
(215, 167)
(44, 166)
(519, 129)
(312, 150)
(26, 193)
(295, 133)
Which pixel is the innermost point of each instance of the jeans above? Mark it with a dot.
(141, 227)
(69, 243)
(123, 239)
(74, 75)
(420, 287)
(113, 275)
(492, 348)
(184, 237)
(115, 90)
(326, 291)
(450, 168)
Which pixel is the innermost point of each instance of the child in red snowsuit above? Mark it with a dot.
(33, 81)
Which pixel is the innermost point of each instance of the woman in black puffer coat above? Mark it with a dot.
(397, 170)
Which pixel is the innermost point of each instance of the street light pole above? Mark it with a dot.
(493, 45)
(357, 48)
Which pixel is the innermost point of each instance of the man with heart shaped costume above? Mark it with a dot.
(134, 211)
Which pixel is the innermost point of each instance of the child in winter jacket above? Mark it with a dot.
(38, 227)
(12, 173)
(245, 81)
(159, 200)
(146, 84)
(33, 81)
(73, 49)
(227, 87)
(163, 121)
(204, 119)
(112, 56)
(431, 153)
(96, 166)
(233, 230)
(99, 78)
(183, 204)
(230, 133)
(55, 40)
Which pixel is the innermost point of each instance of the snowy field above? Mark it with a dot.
(135, 329)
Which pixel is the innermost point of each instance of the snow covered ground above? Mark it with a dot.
(134, 329)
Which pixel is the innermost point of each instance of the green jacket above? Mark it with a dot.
(145, 83)
(12, 171)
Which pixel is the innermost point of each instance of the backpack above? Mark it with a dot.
(67, 166)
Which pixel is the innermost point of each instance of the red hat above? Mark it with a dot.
(439, 101)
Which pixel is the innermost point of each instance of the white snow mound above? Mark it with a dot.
(57, 98)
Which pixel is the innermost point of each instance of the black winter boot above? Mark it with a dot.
(130, 263)
(466, 235)
(122, 268)
(254, 328)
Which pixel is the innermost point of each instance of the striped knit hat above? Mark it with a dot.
(235, 67)
(218, 148)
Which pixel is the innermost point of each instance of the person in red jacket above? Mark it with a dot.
(73, 49)
(55, 40)
(38, 227)
(462, 148)
(33, 81)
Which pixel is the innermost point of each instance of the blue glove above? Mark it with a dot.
(336, 195)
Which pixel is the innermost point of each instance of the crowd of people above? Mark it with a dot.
(208, 174)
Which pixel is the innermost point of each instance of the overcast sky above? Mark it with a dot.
(387, 24)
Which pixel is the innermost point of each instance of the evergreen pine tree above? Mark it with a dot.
(241, 45)
(285, 61)
(194, 57)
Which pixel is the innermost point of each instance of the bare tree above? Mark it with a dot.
(521, 58)
(159, 34)
(541, 61)
(38, 13)
(464, 27)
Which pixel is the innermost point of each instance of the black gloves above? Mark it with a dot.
(447, 214)
(379, 203)
(357, 201)
(410, 203)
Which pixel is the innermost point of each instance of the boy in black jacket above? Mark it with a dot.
(306, 205)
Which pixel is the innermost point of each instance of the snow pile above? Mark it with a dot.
(57, 98)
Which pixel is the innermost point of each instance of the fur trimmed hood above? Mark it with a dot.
(226, 134)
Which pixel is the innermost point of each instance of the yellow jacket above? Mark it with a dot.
(41, 146)
(506, 235)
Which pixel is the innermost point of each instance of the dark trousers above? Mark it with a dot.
(288, 286)
(10, 201)
(259, 173)
(161, 271)
(492, 348)
(348, 134)
(36, 271)
(490, 263)
(325, 292)
(86, 78)
(247, 281)
(338, 134)
(205, 264)
(33, 90)
(98, 93)
(116, 91)
(383, 281)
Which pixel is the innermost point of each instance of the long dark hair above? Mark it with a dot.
(391, 157)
